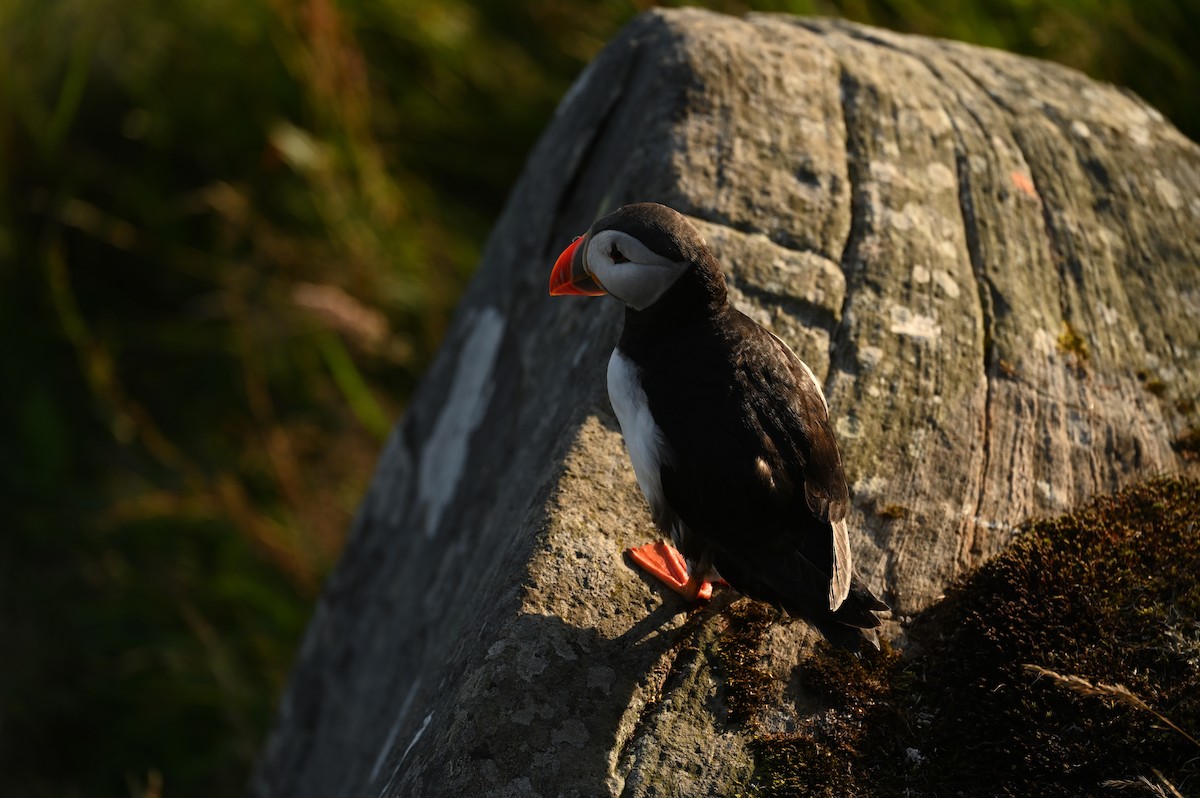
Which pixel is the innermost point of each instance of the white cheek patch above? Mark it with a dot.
(638, 285)
(601, 245)
(641, 279)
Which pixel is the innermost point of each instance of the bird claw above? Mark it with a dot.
(664, 562)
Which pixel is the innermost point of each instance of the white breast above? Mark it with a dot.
(643, 439)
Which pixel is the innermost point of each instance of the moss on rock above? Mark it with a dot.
(1108, 593)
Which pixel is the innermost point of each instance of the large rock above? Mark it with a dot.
(990, 261)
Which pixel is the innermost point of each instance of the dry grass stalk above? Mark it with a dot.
(1165, 788)
(1119, 692)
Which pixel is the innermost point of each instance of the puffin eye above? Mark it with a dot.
(616, 255)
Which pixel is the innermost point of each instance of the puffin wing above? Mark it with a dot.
(756, 473)
(825, 488)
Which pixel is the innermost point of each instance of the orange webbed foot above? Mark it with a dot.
(661, 560)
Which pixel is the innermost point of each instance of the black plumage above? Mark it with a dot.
(751, 476)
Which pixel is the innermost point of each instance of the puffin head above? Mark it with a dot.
(637, 254)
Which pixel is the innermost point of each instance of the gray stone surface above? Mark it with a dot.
(928, 224)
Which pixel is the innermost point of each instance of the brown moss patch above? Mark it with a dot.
(1073, 345)
(1109, 593)
(815, 761)
(1152, 384)
(825, 758)
(811, 762)
(801, 764)
(1187, 445)
(748, 686)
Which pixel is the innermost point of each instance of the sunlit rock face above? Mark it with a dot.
(987, 261)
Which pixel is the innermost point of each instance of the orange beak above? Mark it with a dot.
(570, 277)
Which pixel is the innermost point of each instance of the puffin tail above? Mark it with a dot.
(853, 622)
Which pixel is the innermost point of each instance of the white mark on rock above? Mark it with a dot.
(1169, 192)
(391, 738)
(946, 283)
(848, 427)
(572, 731)
(910, 216)
(869, 356)
(1081, 130)
(1048, 492)
(416, 737)
(914, 325)
(530, 665)
(884, 172)
(871, 487)
(601, 678)
(532, 711)
(445, 452)
(940, 175)
(920, 275)
(396, 770)
(1044, 343)
(993, 524)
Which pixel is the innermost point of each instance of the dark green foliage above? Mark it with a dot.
(1107, 594)
(231, 235)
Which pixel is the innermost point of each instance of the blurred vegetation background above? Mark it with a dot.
(231, 235)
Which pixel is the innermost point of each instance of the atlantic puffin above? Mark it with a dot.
(727, 429)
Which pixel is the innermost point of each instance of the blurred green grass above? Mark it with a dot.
(232, 233)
